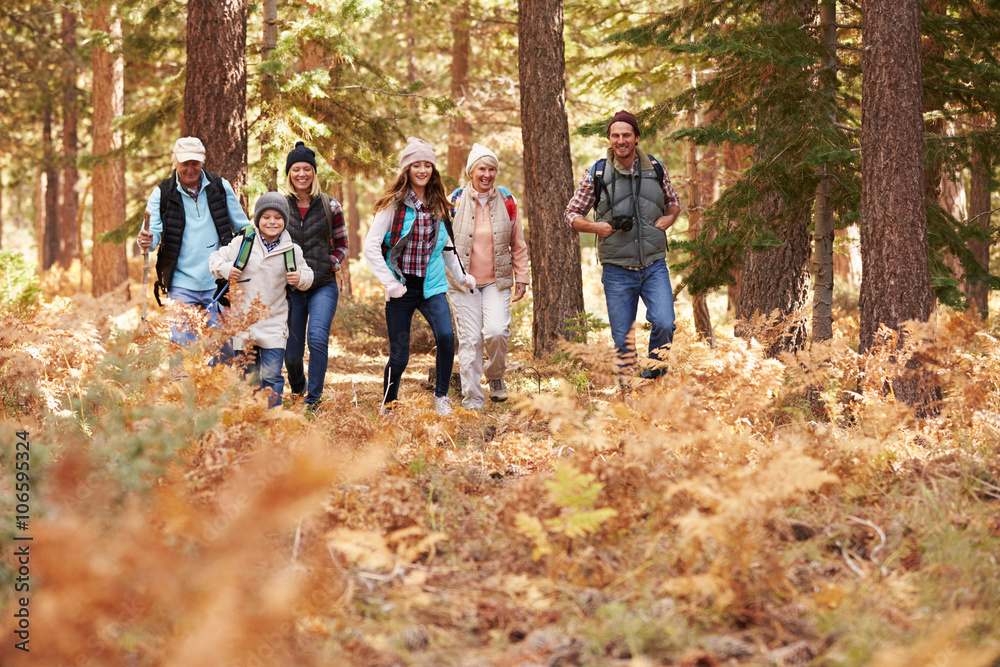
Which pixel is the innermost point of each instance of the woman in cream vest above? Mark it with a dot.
(490, 243)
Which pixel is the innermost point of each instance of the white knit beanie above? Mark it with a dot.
(480, 152)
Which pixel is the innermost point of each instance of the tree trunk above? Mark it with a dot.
(460, 131)
(699, 302)
(109, 268)
(556, 276)
(268, 88)
(822, 313)
(733, 158)
(353, 215)
(50, 234)
(979, 212)
(776, 280)
(215, 86)
(1, 209)
(895, 284)
(68, 197)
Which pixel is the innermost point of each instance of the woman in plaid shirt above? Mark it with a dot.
(405, 250)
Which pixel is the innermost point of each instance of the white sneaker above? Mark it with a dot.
(443, 405)
(498, 391)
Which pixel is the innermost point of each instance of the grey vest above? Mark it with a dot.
(644, 243)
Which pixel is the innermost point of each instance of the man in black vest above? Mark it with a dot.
(634, 205)
(191, 214)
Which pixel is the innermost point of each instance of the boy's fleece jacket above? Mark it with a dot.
(264, 276)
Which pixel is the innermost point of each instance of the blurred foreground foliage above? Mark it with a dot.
(741, 510)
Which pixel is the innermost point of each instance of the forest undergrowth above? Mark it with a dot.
(739, 510)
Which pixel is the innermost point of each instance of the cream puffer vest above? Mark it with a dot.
(464, 200)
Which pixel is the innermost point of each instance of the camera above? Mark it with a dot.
(622, 223)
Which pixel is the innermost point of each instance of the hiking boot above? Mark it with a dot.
(443, 405)
(498, 391)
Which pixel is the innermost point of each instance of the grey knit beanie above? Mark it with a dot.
(270, 201)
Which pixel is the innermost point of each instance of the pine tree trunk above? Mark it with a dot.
(50, 233)
(699, 302)
(979, 211)
(822, 312)
(895, 285)
(268, 87)
(460, 131)
(68, 196)
(353, 217)
(733, 160)
(557, 279)
(215, 86)
(776, 280)
(109, 268)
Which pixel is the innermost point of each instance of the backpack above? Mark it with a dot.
(597, 176)
(242, 257)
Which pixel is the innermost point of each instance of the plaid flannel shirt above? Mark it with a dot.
(338, 244)
(418, 249)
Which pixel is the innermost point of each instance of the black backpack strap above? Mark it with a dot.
(597, 176)
(329, 214)
(657, 167)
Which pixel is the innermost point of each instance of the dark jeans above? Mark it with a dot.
(622, 290)
(264, 365)
(398, 317)
(310, 315)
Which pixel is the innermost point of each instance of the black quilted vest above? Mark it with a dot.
(172, 215)
(312, 234)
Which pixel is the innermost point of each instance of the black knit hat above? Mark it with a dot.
(300, 154)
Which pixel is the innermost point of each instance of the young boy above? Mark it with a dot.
(265, 274)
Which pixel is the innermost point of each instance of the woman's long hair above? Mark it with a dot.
(435, 198)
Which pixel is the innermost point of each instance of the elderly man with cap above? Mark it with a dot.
(634, 204)
(490, 242)
(191, 214)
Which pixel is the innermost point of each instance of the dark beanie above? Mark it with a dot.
(270, 201)
(624, 117)
(300, 154)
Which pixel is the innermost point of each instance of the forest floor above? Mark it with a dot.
(740, 510)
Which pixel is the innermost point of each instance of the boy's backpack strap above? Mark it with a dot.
(246, 245)
(290, 260)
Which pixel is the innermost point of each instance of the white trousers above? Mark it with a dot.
(482, 324)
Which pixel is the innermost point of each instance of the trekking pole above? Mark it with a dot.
(145, 275)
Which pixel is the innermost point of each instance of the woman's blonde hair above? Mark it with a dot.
(289, 187)
(435, 198)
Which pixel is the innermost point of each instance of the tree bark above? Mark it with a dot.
(777, 279)
(50, 234)
(68, 196)
(353, 217)
(268, 87)
(215, 86)
(979, 212)
(699, 302)
(460, 131)
(895, 284)
(109, 268)
(556, 276)
(733, 161)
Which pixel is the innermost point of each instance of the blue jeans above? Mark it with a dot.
(398, 317)
(622, 290)
(201, 299)
(310, 315)
(264, 365)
